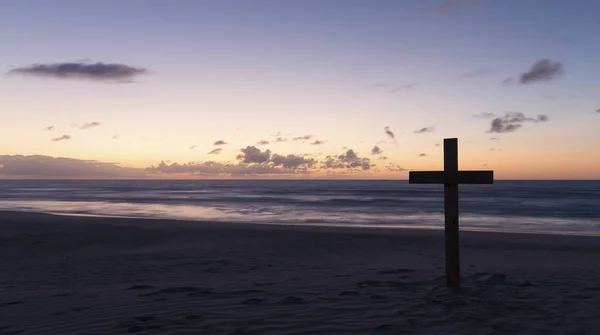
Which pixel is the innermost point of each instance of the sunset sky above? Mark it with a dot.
(110, 89)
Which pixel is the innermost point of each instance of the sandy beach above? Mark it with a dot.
(85, 275)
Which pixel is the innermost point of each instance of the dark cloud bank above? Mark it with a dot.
(89, 71)
(55, 167)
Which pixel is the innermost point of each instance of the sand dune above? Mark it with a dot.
(76, 275)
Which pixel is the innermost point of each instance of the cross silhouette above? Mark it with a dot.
(451, 177)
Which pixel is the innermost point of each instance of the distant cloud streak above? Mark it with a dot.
(476, 73)
(61, 138)
(484, 115)
(376, 150)
(50, 128)
(302, 138)
(215, 151)
(395, 168)
(95, 71)
(263, 142)
(317, 142)
(405, 87)
(90, 125)
(508, 81)
(220, 142)
(424, 130)
(446, 6)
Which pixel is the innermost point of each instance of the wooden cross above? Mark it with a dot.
(451, 177)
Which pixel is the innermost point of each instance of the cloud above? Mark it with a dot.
(115, 137)
(49, 128)
(220, 142)
(425, 130)
(263, 142)
(90, 125)
(211, 168)
(405, 87)
(477, 73)
(422, 155)
(395, 168)
(56, 167)
(376, 150)
(252, 161)
(549, 97)
(389, 133)
(61, 138)
(281, 139)
(303, 138)
(542, 70)
(508, 81)
(348, 160)
(484, 115)
(292, 162)
(446, 6)
(317, 142)
(598, 111)
(494, 138)
(252, 154)
(394, 88)
(437, 144)
(383, 158)
(192, 147)
(215, 151)
(94, 71)
(512, 122)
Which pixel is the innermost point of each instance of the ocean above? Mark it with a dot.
(571, 207)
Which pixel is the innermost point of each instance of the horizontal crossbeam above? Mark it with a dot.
(438, 177)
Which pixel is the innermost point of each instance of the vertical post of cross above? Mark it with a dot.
(451, 212)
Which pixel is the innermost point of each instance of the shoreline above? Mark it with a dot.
(308, 225)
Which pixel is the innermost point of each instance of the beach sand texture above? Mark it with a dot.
(83, 275)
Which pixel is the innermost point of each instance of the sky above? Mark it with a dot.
(298, 89)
